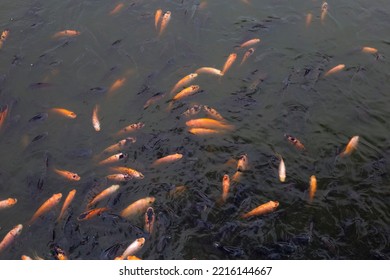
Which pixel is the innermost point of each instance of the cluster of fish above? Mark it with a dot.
(212, 124)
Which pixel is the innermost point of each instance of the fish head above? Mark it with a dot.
(275, 204)
(18, 229)
(141, 242)
(57, 196)
(151, 199)
(242, 164)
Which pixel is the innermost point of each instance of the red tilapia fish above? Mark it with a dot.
(209, 70)
(164, 22)
(114, 158)
(120, 145)
(126, 170)
(265, 208)
(137, 207)
(3, 37)
(229, 62)
(46, 206)
(7, 203)
(209, 123)
(133, 248)
(167, 159)
(250, 43)
(184, 82)
(295, 142)
(335, 69)
(66, 204)
(351, 146)
(225, 187)
(131, 128)
(313, 187)
(103, 194)
(67, 174)
(9, 238)
(87, 215)
(66, 33)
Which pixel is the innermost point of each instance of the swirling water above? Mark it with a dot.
(281, 89)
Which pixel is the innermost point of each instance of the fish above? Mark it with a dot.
(131, 128)
(157, 17)
(10, 237)
(154, 99)
(3, 115)
(282, 170)
(68, 200)
(120, 145)
(133, 248)
(116, 85)
(313, 187)
(250, 43)
(95, 118)
(66, 33)
(209, 123)
(229, 62)
(242, 163)
(351, 146)
(119, 177)
(116, 9)
(295, 142)
(126, 170)
(186, 92)
(225, 187)
(67, 174)
(26, 258)
(309, 18)
(247, 54)
(59, 254)
(46, 206)
(369, 50)
(137, 207)
(7, 203)
(195, 109)
(177, 191)
(203, 131)
(4, 35)
(167, 159)
(184, 82)
(114, 158)
(103, 194)
(64, 112)
(164, 22)
(87, 215)
(150, 217)
(209, 70)
(39, 117)
(265, 208)
(335, 69)
(213, 113)
(133, 258)
(324, 11)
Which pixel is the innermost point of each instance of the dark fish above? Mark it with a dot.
(98, 90)
(39, 117)
(40, 137)
(39, 85)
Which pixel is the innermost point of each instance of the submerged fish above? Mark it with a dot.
(10, 237)
(120, 145)
(133, 248)
(131, 128)
(324, 11)
(103, 194)
(67, 174)
(116, 9)
(225, 187)
(7, 203)
(164, 22)
(157, 17)
(126, 170)
(46, 206)
(312, 187)
(150, 217)
(229, 62)
(66, 33)
(351, 146)
(64, 112)
(209, 123)
(295, 142)
(114, 158)
(184, 82)
(66, 204)
(265, 208)
(209, 70)
(282, 170)
(167, 159)
(250, 43)
(137, 207)
(335, 69)
(95, 118)
(91, 214)
(247, 54)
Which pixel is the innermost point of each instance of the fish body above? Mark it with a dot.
(10, 237)
(67, 174)
(250, 43)
(282, 170)
(116, 85)
(119, 177)
(265, 208)
(114, 158)
(194, 110)
(131, 172)
(203, 131)
(313, 187)
(335, 69)
(116, 9)
(186, 92)
(164, 22)
(46, 206)
(120, 145)
(150, 217)
(209, 123)
(295, 142)
(213, 113)
(324, 11)
(7, 203)
(103, 194)
(247, 54)
(137, 207)
(157, 17)
(66, 33)
(3, 115)
(225, 187)
(64, 112)
(309, 18)
(369, 50)
(184, 82)
(351, 146)
(87, 215)
(229, 62)
(131, 128)
(133, 248)
(95, 118)
(209, 70)
(167, 159)
(66, 204)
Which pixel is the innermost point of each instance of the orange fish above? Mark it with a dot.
(324, 11)
(209, 70)
(157, 18)
(242, 163)
(95, 118)
(186, 92)
(10, 237)
(309, 18)
(116, 85)
(225, 187)
(154, 99)
(247, 54)
(150, 217)
(120, 145)
(46, 206)
(66, 204)
(114, 158)
(67, 174)
(167, 159)
(203, 131)
(117, 9)
(133, 248)
(184, 81)
(209, 123)
(192, 110)
(26, 258)
(229, 62)
(369, 50)
(164, 22)
(66, 33)
(335, 69)
(137, 207)
(3, 115)
(313, 187)
(91, 214)
(131, 128)
(131, 172)
(4, 35)
(64, 112)
(250, 43)
(295, 142)
(265, 208)
(351, 146)
(119, 177)
(7, 203)
(133, 258)
(282, 170)
(103, 194)
(59, 254)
